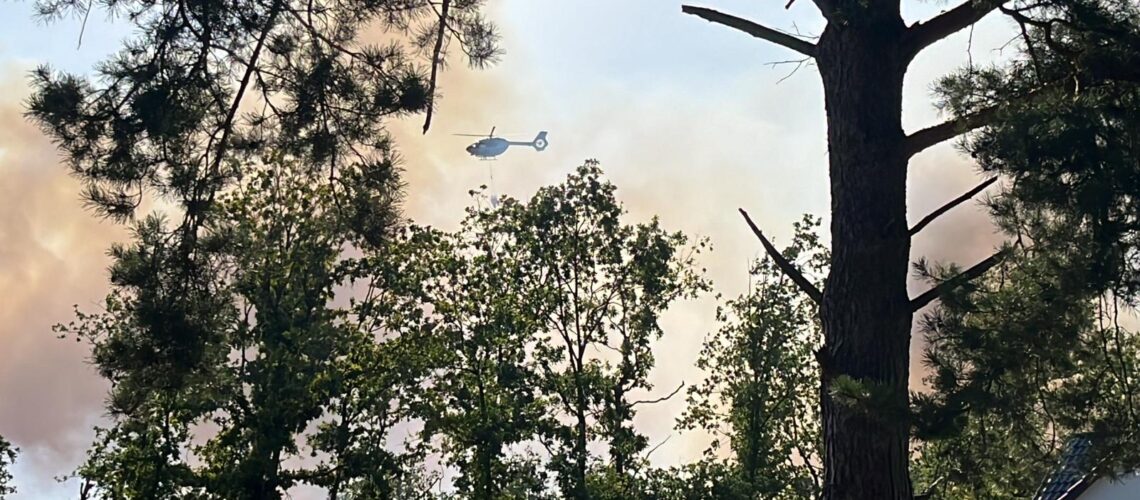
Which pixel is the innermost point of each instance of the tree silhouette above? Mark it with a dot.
(862, 55)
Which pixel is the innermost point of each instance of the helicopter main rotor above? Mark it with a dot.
(492, 134)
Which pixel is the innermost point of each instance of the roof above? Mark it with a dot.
(1070, 478)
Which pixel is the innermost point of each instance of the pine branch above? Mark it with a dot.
(959, 280)
(786, 267)
(922, 35)
(953, 203)
(920, 140)
(756, 30)
(435, 55)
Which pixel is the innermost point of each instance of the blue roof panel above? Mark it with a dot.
(1070, 472)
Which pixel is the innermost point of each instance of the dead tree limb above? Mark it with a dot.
(953, 203)
(922, 35)
(785, 266)
(756, 30)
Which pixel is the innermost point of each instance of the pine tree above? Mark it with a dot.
(1019, 363)
(261, 126)
(205, 88)
(1070, 156)
(862, 55)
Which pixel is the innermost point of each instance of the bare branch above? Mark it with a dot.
(83, 27)
(962, 278)
(666, 440)
(922, 35)
(228, 124)
(756, 30)
(788, 268)
(920, 140)
(658, 400)
(953, 203)
(435, 61)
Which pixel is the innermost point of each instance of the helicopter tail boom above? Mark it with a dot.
(539, 143)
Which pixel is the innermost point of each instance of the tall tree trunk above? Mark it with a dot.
(580, 453)
(865, 311)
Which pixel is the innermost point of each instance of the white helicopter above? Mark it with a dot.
(492, 146)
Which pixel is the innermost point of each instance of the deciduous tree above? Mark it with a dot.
(759, 395)
(288, 388)
(7, 458)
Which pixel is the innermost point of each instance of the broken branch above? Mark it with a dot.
(922, 35)
(756, 30)
(962, 278)
(786, 267)
(953, 203)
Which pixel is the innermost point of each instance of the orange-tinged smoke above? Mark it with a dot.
(690, 159)
(52, 256)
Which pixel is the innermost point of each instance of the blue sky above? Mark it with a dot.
(685, 116)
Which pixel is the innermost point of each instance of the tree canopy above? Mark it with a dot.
(274, 322)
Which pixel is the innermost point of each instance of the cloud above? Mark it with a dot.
(52, 256)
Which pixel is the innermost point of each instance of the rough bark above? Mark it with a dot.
(865, 312)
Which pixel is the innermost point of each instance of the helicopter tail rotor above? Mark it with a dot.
(539, 142)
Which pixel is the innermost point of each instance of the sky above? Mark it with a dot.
(690, 120)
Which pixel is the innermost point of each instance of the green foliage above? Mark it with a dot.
(540, 319)
(602, 287)
(226, 356)
(1070, 150)
(204, 82)
(1018, 363)
(280, 376)
(1033, 353)
(481, 398)
(7, 459)
(201, 92)
(761, 387)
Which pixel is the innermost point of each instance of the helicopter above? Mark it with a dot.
(492, 146)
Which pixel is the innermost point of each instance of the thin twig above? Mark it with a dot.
(666, 440)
